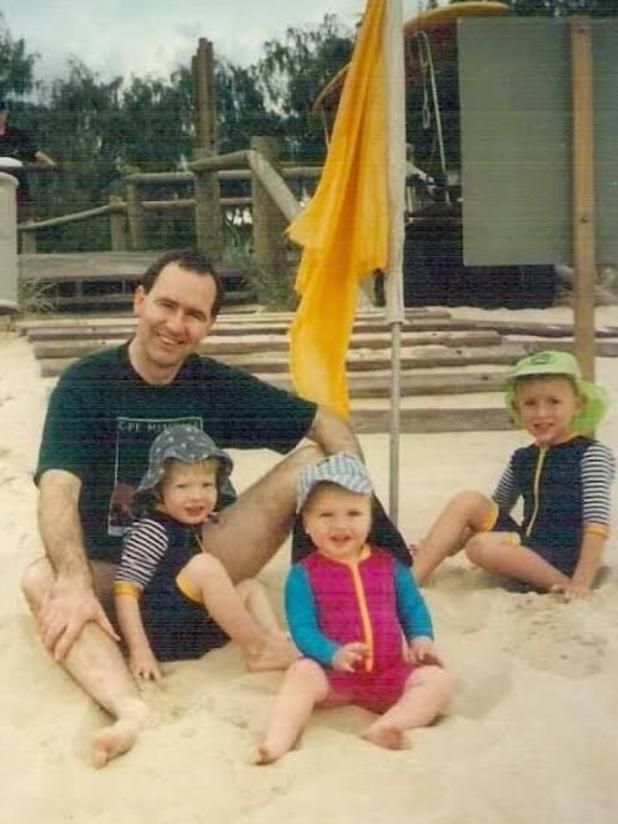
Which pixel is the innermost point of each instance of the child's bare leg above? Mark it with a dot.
(206, 576)
(427, 691)
(464, 512)
(500, 554)
(304, 686)
(258, 604)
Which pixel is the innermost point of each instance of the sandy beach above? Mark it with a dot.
(532, 735)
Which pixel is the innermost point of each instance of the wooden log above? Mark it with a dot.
(205, 103)
(582, 174)
(27, 240)
(269, 245)
(366, 421)
(135, 216)
(118, 224)
(208, 220)
(219, 346)
(274, 184)
(157, 178)
(215, 163)
(63, 220)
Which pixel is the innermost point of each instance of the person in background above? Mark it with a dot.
(17, 148)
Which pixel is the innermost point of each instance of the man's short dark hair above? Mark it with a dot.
(193, 261)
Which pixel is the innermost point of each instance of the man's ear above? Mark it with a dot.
(139, 296)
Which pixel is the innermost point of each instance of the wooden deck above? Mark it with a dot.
(103, 280)
(452, 370)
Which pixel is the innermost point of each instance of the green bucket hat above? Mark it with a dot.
(595, 400)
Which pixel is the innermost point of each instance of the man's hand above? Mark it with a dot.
(421, 651)
(144, 666)
(64, 614)
(349, 656)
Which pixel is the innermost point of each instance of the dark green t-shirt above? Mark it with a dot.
(102, 418)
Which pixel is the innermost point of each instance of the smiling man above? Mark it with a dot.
(103, 415)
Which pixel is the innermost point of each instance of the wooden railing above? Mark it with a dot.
(271, 201)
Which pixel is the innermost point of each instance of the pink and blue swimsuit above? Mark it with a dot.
(374, 600)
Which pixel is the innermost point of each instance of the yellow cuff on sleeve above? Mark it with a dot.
(126, 588)
(490, 521)
(596, 529)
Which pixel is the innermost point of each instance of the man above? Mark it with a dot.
(16, 145)
(102, 417)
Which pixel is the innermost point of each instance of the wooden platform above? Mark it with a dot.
(452, 373)
(102, 280)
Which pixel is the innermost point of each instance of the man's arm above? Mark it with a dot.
(42, 157)
(71, 602)
(60, 527)
(333, 433)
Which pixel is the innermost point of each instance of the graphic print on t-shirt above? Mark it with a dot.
(133, 439)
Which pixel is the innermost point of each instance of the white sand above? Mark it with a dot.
(532, 735)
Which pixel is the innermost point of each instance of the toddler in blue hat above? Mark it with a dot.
(173, 599)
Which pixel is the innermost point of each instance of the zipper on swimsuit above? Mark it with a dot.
(535, 488)
(364, 613)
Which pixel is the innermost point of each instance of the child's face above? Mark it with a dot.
(338, 522)
(189, 491)
(546, 407)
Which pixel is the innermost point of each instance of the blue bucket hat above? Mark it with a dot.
(188, 444)
(342, 469)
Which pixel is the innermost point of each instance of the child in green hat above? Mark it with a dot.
(564, 478)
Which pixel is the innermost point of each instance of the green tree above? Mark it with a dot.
(16, 64)
(292, 73)
(562, 8)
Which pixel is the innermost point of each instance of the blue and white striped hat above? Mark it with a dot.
(342, 469)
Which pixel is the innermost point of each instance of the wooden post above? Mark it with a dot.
(135, 217)
(583, 218)
(208, 220)
(118, 226)
(205, 106)
(269, 245)
(27, 242)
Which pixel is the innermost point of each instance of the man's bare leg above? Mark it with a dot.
(250, 531)
(96, 663)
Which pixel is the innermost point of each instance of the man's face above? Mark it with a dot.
(172, 320)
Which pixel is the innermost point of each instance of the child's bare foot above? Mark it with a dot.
(261, 756)
(277, 653)
(389, 738)
(120, 736)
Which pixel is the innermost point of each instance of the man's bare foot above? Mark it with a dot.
(277, 653)
(389, 738)
(120, 736)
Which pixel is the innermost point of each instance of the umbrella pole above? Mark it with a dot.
(395, 421)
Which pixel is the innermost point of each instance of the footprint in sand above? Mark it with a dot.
(552, 637)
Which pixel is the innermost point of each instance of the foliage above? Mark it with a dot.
(293, 71)
(16, 65)
(561, 8)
